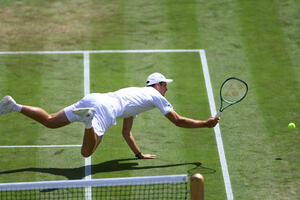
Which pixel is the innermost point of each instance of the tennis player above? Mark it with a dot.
(98, 111)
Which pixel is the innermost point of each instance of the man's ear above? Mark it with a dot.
(156, 85)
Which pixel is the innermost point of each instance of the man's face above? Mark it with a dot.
(162, 88)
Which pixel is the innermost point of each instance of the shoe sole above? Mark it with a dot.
(82, 112)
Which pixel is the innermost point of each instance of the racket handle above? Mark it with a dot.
(218, 114)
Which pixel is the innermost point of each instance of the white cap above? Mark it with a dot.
(156, 78)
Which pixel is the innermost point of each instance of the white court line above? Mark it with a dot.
(100, 51)
(86, 72)
(41, 146)
(87, 168)
(217, 128)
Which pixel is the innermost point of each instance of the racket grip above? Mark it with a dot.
(218, 114)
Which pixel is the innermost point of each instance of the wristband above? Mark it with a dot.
(138, 155)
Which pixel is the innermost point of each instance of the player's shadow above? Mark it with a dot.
(109, 166)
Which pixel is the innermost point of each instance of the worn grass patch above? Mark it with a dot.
(51, 24)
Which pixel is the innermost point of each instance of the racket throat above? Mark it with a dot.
(218, 114)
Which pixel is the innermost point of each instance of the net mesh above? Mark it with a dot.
(147, 188)
(233, 90)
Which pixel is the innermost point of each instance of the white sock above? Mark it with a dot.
(17, 107)
(88, 124)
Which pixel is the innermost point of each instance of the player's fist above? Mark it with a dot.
(212, 122)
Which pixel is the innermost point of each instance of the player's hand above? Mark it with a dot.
(212, 122)
(147, 156)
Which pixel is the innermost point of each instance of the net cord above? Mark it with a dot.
(94, 182)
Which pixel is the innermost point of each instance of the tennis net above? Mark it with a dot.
(150, 187)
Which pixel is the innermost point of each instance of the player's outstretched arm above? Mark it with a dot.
(127, 134)
(185, 122)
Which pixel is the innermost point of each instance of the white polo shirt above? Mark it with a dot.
(124, 103)
(129, 102)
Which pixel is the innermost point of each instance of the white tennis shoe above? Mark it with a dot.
(85, 114)
(6, 105)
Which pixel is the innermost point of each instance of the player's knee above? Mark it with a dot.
(85, 153)
(52, 123)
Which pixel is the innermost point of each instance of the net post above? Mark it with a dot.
(197, 187)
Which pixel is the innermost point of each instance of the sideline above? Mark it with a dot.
(217, 128)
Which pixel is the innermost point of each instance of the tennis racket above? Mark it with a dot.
(232, 91)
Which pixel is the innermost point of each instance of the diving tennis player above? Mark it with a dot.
(98, 111)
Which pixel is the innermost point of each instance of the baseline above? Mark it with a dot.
(100, 51)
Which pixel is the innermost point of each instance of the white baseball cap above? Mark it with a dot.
(156, 78)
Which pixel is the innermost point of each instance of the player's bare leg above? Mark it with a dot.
(59, 119)
(90, 142)
(90, 139)
(56, 120)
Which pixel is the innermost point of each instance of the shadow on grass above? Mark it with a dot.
(109, 166)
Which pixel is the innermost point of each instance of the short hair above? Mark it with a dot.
(160, 83)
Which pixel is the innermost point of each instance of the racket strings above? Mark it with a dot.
(233, 91)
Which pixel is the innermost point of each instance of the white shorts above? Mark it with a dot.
(102, 119)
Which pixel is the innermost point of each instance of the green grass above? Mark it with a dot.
(257, 41)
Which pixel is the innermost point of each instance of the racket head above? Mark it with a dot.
(233, 90)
